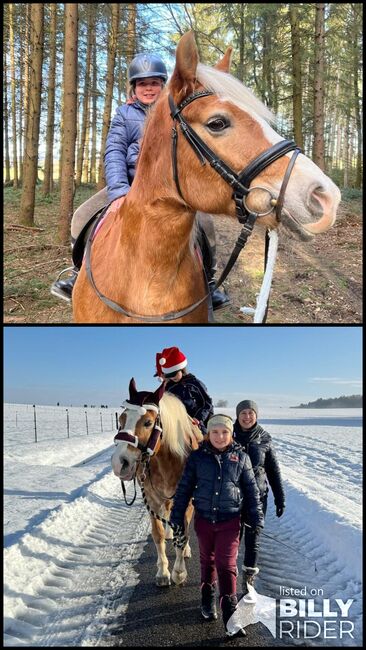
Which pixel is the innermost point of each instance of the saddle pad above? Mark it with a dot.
(80, 243)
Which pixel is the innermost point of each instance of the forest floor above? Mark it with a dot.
(319, 281)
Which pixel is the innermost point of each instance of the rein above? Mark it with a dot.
(180, 539)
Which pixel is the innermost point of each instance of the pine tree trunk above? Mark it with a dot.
(131, 38)
(48, 163)
(112, 49)
(69, 121)
(85, 118)
(318, 147)
(241, 64)
(26, 76)
(6, 117)
(30, 167)
(296, 74)
(356, 64)
(93, 154)
(13, 96)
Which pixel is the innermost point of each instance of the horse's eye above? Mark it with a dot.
(218, 124)
(148, 423)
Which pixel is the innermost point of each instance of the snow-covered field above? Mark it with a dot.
(71, 542)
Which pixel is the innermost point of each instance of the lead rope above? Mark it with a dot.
(179, 538)
(275, 539)
(262, 298)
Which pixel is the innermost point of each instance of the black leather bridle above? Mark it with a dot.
(240, 184)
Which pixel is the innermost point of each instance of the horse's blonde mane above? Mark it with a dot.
(231, 89)
(178, 430)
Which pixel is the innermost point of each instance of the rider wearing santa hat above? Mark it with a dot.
(171, 367)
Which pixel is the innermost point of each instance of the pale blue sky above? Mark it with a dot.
(280, 366)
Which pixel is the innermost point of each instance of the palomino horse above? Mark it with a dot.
(156, 456)
(144, 263)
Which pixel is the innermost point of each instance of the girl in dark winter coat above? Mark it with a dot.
(171, 366)
(220, 478)
(258, 445)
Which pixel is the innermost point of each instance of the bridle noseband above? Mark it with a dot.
(240, 184)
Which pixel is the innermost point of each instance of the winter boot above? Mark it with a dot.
(219, 298)
(63, 288)
(249, 574)
(208, 604)
(233, 626)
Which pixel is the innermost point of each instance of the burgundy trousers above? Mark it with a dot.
(218, 544)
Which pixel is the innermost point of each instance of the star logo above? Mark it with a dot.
(254, 608)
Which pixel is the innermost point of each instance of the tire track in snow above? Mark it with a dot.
(285, 567)
(74, 571)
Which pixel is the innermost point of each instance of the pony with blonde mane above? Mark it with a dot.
(145, 265)
(154, 439)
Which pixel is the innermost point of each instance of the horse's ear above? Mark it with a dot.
(225, 63)
(183, 79)
(159, 393)
(132, 388)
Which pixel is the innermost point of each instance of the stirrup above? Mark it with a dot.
(69, 268)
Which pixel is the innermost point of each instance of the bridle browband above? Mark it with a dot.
(240, 184)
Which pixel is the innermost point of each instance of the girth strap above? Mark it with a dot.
(168, 316)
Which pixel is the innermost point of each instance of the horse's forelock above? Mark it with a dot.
(231, 89)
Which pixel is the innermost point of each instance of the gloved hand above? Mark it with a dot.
(255, 530)
(279, 510)
(258, 529)
(179, 538)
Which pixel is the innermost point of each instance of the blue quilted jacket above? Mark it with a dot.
(220, 484)
(122, 148)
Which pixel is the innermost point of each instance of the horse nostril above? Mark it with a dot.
(124, 464)
(317, 195)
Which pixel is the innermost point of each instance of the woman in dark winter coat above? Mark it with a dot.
(258, 445)
(220, 479)
(171, 366)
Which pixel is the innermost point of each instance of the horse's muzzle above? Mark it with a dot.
(127, 472)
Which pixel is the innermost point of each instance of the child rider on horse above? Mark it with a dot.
(171, 366)
(220, 478)
(147, 75)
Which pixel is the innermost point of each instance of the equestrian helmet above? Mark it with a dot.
(146, 65)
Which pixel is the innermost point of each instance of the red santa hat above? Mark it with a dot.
(169, 361)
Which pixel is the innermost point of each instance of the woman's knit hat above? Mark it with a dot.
(246, 404)
(220, 418)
